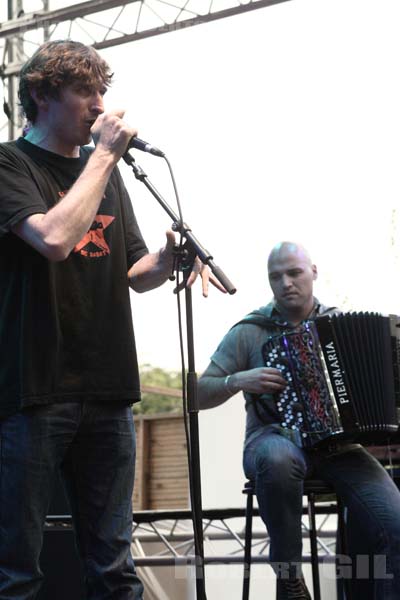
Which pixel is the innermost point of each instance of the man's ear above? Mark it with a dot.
(40, 101)
(315, 272)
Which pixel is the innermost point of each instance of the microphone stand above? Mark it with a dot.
(185, 259)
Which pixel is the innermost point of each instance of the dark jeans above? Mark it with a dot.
(94, 446)
(279, 468)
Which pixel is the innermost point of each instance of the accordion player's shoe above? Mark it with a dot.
(292, 589)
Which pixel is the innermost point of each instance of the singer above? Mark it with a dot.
(70, 247)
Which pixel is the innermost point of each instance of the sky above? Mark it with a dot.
(280, 123)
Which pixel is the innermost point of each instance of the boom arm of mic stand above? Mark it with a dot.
(179, 226)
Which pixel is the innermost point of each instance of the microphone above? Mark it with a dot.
(139, 144)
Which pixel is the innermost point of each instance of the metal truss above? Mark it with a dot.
(169, 542)
(106, 23)
(100, 23)
(165, 538)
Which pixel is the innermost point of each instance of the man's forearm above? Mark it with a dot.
(55, 233)
(215, 390)
(150, 271)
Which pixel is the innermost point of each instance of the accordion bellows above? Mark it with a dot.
(343, 378)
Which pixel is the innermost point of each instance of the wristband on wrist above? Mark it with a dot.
(227, 379)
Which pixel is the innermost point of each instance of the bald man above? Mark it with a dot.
(273, 456)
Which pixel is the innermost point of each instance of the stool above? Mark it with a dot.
(312, 488)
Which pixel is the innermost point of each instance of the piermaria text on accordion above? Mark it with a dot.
(336, 373)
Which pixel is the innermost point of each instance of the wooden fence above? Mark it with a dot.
(161, 479)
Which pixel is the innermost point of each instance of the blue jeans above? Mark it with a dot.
(94, 446)
(279, 467)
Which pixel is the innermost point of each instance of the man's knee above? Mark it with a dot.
(279, 459)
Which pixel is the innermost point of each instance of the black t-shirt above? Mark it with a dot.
(66, 329)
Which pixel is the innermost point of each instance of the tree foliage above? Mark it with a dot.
(158, 402)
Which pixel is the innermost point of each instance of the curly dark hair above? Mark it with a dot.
(56, 65)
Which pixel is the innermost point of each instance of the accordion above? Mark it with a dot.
(343, 374)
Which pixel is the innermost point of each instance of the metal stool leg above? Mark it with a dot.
(314, 546)
(344, 586)
(247, 546)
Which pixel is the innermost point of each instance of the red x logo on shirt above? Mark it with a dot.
(93, 244)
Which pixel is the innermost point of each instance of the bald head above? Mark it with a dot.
(291, 276)
(284, 250)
